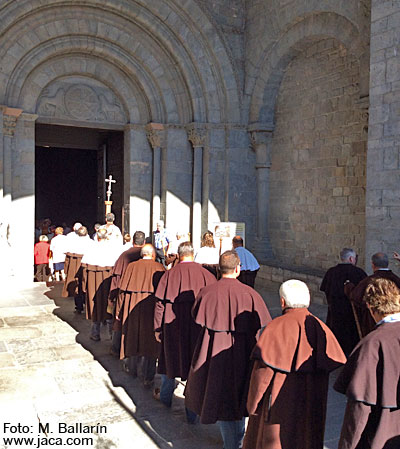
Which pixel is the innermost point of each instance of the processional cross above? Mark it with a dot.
(110, 181)
(108, 202)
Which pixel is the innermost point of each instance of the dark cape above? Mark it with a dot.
(135, 308)
(176, 293)
(72, 270)
(96, 286)
(289, 383)
(340, 318)
(371, 381)
(356, 295)
(231, 314)
(128, 256)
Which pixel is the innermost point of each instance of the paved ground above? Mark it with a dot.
(51, 371)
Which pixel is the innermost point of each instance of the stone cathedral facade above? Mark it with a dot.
(283, 114)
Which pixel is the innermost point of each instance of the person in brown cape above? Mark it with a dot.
(135, 311)
(289, 382)
(76, 245)
(173, 322)
(380, 264)
(230, 314)
(130, 255)
(371, 377)
(340, 318)
(97, 266)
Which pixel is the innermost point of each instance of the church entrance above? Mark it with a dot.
(71, 165)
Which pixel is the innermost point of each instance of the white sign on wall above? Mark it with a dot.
(224, 231)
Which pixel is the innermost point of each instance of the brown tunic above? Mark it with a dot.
(71, 270)
(172, 316)
(96, 286)
(340, 318)
(371, 382)
(289, 383)
(128, 256)
(135, 308)
(231, 314)
(356, 295)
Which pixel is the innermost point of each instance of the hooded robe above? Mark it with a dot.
(371, 382)
(135, 308)
(230, 314)
(175, 294)
(289, 382)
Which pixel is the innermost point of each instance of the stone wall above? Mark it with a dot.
(317, 192)
(383, 169)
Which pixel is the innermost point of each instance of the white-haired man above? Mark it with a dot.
(289, 382)
(161, 242)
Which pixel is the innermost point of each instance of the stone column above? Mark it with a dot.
(261, 137)
(196, 135)
(23, 197)
(156, 136)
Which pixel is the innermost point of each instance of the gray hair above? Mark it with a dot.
(43, 238)
(346, 253)
(295, 294)
(185, 249)
(147, 251)
(380, 260)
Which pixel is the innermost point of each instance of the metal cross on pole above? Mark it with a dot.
(109, 180)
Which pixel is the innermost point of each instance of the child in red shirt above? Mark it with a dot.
(42, 253)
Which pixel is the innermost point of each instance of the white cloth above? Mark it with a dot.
(113, 233)
(207, 255)
(247, 260)
(393, 318)
(78, 245)
(103, 253)
(57, 247)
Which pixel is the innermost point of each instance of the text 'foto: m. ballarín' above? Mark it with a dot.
(81, 428)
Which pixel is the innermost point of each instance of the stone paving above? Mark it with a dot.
(51, 371)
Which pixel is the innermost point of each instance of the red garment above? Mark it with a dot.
(41, 252)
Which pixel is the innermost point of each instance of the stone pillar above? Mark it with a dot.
(196, 135)
(261, 137)
(156, 136)
(23, 197)
(128, 143)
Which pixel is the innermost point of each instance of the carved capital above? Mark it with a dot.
(260, 138)
(10, 117)
(197, 134)
(155, 134)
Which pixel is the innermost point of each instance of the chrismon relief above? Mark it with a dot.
(81, 99)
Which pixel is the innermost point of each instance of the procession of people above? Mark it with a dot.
(195, 317)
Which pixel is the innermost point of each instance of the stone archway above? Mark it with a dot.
(292, 240)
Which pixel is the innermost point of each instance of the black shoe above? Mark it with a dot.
(95, 337)
(78, 311)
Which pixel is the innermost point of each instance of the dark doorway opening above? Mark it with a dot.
(71, 164)
(66, 185)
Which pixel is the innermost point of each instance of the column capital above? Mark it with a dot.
(155, 134)
(28, 117)
(260, 134)
(10, 117)
(197, 133)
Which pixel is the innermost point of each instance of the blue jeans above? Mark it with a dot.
(166, 392)
(232, 433)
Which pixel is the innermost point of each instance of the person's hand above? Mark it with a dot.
(396, 256)
(158, 336)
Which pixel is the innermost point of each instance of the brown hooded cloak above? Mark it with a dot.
(71, 269)
(96, 286)
(128, 256)
(371, 382)
(135, 308)
(231, 314)
(176, 293)
(289, 382)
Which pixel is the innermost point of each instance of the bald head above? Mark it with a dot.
(148, 252)
(379, 260)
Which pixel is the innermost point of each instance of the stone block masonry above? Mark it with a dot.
(317, 191)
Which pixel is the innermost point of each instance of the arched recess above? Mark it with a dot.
(175, 45)
(292, 43)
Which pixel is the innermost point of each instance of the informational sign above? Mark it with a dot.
(224, 231)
